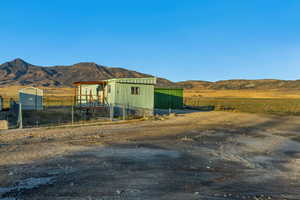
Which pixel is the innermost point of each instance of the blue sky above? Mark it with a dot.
(176, 39)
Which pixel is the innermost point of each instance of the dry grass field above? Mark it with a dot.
(52, 96)
(282, 102)
(281, 94)
(12, 91)
(279, 102)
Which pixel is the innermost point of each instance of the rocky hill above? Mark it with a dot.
(19, 72)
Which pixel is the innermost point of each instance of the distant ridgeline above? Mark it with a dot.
(19, 72)
(263, 84)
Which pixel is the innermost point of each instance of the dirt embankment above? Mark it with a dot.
(202, 155)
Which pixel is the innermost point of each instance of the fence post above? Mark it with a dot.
(124, 112)
(20, 117)
(72, 114)
(111, 112)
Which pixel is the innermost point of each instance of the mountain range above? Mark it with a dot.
(19, 72)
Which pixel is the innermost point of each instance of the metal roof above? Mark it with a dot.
(89, 82)
(148, 80)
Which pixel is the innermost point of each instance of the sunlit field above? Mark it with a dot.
(52, 96)
(281, 102)
(282, 94)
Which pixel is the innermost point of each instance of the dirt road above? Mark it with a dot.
(205, 155)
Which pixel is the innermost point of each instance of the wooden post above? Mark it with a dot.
(80, 95)
(98, 99)
(103, 93)
(75, 97)
(86, 97)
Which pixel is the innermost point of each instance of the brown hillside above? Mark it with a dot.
(19, 72)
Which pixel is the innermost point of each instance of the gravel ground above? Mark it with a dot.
(200, 155)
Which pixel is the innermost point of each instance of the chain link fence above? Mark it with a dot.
(60, 110)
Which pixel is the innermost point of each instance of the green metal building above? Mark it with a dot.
(165, 98)
(131, 92)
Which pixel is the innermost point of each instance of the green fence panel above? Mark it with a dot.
(165, 98)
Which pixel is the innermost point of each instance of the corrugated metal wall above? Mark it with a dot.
(111, 93)
(145, 98)
(165, 98)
